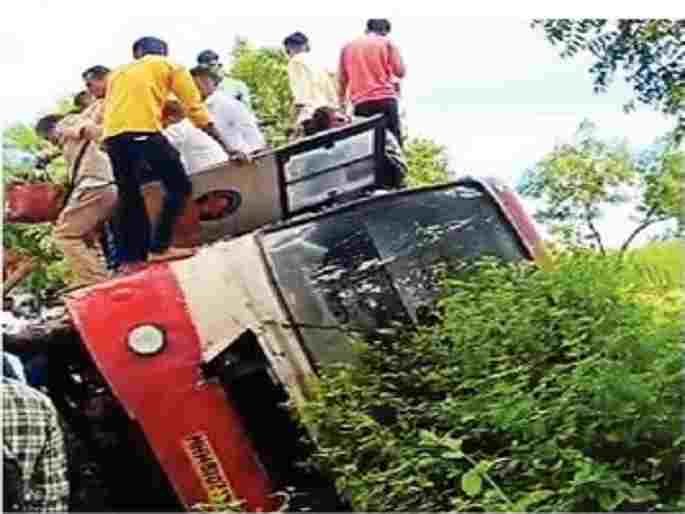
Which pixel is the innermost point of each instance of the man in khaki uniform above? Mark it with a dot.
(94, 195)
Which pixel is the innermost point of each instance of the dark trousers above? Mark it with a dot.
(109, 247)
(387, 106)
(129, 152)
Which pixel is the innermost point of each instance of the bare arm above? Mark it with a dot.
(396, 61)
(212, 132)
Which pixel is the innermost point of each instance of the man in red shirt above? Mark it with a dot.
(369, 72)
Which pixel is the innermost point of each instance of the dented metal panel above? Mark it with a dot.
(227, 290)
(191, 424)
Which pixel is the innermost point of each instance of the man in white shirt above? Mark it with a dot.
(198, 150)
(312, 87)
(236, 88)
(236, 125)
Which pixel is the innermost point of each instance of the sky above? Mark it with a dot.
(490, 89)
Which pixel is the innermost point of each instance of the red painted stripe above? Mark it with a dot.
(516, 214)
(165, 393)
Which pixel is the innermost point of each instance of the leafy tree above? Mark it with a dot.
(427, 162)
(650, 53)
(265, 71)
(577, 182)
(662, 174)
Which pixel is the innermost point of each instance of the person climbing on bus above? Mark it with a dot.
(136, 93)
(92, 194)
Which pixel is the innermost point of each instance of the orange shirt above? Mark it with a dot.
(372, 65)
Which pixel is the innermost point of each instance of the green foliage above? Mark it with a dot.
(577, 182)
(35, 240)
(220, 502)
(22, 137)
(649, 52)
(265, 71)
(427, 162)
(552, 390)
(666, 259)
(661, 171)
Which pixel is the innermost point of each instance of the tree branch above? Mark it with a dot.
(15, 269)
(595, 233)
(648, 220)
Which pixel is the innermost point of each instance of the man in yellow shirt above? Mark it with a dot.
(136, 94)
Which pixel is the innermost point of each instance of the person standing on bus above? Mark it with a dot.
(369, 71)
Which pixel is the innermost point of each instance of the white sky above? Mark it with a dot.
(490, 89)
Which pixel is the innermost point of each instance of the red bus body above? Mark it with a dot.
(201, 305)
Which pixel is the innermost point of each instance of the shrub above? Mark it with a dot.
(537, 390)
(427, 161)
(662, 264)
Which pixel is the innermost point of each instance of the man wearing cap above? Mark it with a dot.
(233, 87)
(312, 87)
(369, 72)
(136, 94)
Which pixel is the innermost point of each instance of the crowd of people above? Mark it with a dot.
(155, 120)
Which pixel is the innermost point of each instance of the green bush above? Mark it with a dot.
(662, 264)
(427, 161)
(537, 390)
(265, 71)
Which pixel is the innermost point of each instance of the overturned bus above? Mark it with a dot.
(177, 375)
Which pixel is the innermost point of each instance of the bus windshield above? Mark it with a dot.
(370, 266)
